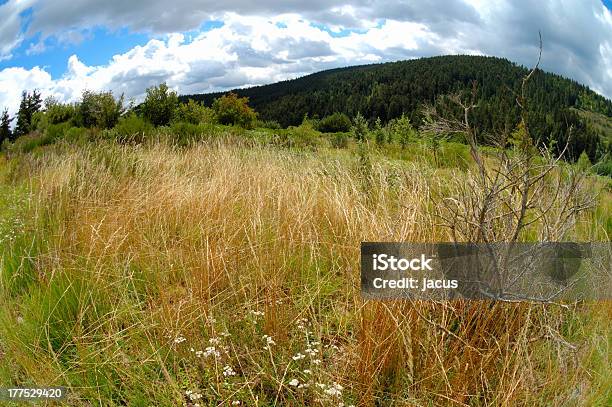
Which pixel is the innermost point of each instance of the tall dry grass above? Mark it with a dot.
(153, 269)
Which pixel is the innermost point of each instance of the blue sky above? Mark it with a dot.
(96, 46)
(64, 46)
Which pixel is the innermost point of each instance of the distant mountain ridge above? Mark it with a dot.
(390, 89)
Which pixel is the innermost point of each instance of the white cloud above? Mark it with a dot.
(12, 81)
(10, 26)
(245, 51)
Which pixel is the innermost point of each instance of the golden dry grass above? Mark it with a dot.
(139, 247)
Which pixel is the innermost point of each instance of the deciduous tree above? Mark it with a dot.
(160, 105)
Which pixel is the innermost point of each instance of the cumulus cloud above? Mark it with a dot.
(270, 40)
(245, 51)
(10, 26)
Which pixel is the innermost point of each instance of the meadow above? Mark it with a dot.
(222, 268)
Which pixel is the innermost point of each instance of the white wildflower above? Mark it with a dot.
(294, 382)
(269, 341)
(193, 395)
(334, 390)
(299, 356)
(211, 350)
(228, 371)
(179, 339)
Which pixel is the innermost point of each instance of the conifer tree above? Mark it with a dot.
(30, 104)
(360, 128)
(5, 126)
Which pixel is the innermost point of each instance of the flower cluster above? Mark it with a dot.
(334, 390)
(193, 396)
(299, 356)
(209, 351)
(301, 323)
(269, 342)
(10, 228)
(228, 371)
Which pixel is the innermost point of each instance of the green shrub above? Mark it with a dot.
(53, 133)
(232, 110)
(339, 140)
(380, 133)
(31, 141)
(453, 155)
(282, 139)
(360, 128)
(160, 104)
(57, 112)
(401, 130)
(584, 163)
(40, 122)
(267, 124)
(56, 131)
(194, 113)
(132, 128)
(186, 133)
(335, 123)
(99, 109)
(76, 135)
(304, 136)
(604, 168)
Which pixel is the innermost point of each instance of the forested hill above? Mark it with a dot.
(390, 89)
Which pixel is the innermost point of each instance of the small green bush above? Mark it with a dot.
(360, 129)
(99, 109)
(453, 155)
(604, 168)
(232, 110)
(401, 130)
(194, 113)
(31, 141)
(59, 112)
(56, 131)
(335, 123)
(304, 136)
(76, 135)
(584, 163)
(340, 140)
(132, 128)
(267, 124)
(160, 104)
(186, 133)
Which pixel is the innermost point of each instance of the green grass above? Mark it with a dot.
(118, 259)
